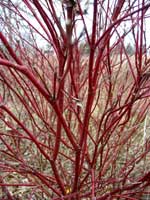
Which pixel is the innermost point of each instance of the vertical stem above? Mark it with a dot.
(93, 183)
(83, 137)
(60, 99)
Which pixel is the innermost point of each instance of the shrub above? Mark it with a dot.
(73, 122)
